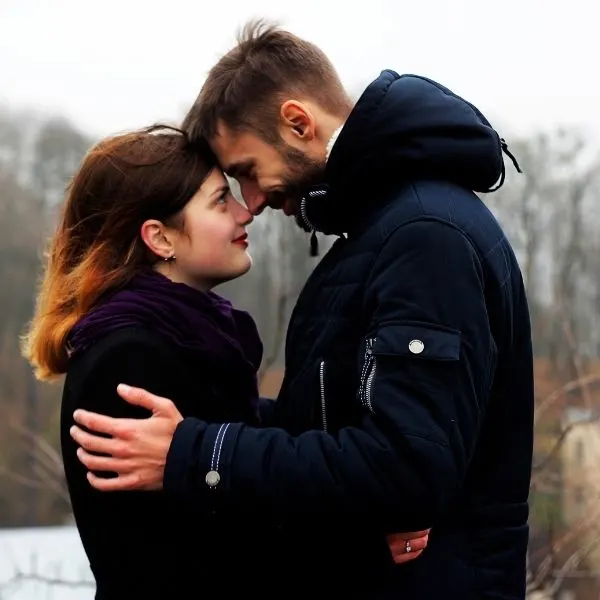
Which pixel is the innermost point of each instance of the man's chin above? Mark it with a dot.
(289, 208)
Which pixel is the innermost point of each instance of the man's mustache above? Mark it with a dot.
(277, 198)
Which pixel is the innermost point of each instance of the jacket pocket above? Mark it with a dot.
(407, 342)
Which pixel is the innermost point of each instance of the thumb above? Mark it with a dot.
(143, 398)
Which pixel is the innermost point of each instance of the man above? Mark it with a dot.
(409, 347)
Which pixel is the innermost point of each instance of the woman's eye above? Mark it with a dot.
(223, 199)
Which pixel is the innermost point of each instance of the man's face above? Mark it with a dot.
(269, 176)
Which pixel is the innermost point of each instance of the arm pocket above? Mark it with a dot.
(406, 342)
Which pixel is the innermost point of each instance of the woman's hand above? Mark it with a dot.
(407, 546)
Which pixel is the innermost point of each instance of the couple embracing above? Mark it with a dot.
(395, 462)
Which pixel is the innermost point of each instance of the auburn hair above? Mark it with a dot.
(124, 180)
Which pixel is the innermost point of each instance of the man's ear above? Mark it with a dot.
(298, 120)
(154, 235)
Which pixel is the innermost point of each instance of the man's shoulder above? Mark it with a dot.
(439, 202)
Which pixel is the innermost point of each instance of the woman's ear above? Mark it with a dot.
(155, 236)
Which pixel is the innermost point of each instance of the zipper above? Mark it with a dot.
(367, 375)
(323, 401)
(309, 226)
(314, 242)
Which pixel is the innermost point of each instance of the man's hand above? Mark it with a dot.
(408, 546)
(137, 449)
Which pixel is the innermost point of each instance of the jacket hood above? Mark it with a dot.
(405, 128)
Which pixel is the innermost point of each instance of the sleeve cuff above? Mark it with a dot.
(196, 450)
(216, 455)
(182, 455)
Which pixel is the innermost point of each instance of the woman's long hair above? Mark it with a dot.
(123, 181)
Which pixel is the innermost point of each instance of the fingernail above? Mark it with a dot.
(123, 387)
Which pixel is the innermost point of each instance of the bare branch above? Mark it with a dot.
(571, 386)
(41, 444)
(20, 578)
(575, 355)
(544, 462)
(26, 481)
(47, 466)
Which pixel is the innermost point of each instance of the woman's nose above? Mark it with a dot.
(243, 216)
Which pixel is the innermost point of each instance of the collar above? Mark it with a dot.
(332, 140)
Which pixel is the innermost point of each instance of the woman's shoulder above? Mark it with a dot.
(134, 356)
(123, 349)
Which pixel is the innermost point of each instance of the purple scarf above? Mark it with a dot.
(203, 324)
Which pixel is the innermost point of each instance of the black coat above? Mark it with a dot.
(149, 545)
(408, 393)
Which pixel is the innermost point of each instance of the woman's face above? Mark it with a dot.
(211, 248)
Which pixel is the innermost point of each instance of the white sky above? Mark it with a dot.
(118, 64)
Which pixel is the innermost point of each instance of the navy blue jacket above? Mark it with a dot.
(408, 393)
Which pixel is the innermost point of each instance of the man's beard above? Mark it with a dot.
(302, 173)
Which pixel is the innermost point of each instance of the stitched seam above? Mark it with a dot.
(221, 446)
(425, 438)
(216, 454)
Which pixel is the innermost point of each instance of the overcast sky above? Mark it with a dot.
(118, 64)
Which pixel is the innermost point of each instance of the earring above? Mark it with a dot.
(169, 258)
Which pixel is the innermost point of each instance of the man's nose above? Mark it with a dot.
(255, 199)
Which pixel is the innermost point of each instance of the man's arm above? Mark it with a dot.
(434, 358)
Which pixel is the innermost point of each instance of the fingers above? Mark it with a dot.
(403, 552)
(121, 483)
(101, 445)
(143, 398)
(104, 463)
(400, 559)
(408, 535)
(103, 424)
(399, 547)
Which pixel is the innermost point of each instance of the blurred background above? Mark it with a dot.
(72, 72)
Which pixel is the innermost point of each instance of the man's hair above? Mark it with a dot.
(244, 90)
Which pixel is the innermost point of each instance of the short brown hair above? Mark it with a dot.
(244, 88)
(123, 181)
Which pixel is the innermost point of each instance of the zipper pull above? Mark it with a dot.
(314, 243)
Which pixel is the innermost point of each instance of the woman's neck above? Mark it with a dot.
(169, 271)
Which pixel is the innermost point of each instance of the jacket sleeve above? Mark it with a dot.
(430, 363)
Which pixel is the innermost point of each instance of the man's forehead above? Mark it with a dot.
(228, 147)
(235, 152)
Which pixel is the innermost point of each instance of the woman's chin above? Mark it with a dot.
(242, 267)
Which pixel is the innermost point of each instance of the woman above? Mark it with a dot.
(149, 227)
